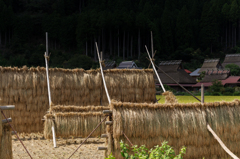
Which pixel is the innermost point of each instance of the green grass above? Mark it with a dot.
(190, 99)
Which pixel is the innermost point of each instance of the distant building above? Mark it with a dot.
(230, 81)
(211, 65)
(128, 65)
(210, 76)
(175, 70)
(109, 65)
(232, 59)
(195, 74)
(188, 72)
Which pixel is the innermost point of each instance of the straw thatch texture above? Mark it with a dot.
(180, 125)
(130, 85)
(6, 143)
(26, 88)
(76, 124)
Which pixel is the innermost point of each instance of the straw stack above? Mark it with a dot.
(130, 85)
(169, 97)
(180, 125)
(26, 88)
(6, 143)
(74, 121)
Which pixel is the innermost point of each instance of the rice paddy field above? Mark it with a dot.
(190, 99)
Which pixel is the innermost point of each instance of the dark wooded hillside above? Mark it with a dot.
(190, 30)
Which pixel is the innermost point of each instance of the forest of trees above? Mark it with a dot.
(190, 30)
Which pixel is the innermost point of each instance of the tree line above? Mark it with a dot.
(190, 30)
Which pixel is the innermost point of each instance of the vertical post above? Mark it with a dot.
(47, 43)
(48, 85)
(152, 43)
(202, 93)
(101, 56)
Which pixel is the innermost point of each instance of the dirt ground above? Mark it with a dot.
(39, 147)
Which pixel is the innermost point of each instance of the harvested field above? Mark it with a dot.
(190, 99)
(41, 148)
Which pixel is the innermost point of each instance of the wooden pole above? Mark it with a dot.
(49, 92)
(7, 107)
(155, 71)
(6, 120)
(102, 148)
(152, 43)
(109, 100)
(107, 111)
(109, 122)
(47, 43)
(202, 93)
(104, 136)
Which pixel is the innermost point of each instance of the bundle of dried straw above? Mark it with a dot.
(180, 125)
(26, 88)
(74, 121)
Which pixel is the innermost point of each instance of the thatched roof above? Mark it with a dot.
(232, 59)
(170, 66)
(127, 64)
(210, 76)
(109, 65)
(175, 70)
(211, 64)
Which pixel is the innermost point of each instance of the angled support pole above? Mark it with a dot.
(48, 85)
(155, 70)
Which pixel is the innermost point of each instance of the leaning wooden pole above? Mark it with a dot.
(177, 83)
(155, 70)
(49, 93)
(104, 83)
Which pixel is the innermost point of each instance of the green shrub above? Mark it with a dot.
(235, 69)
(216, 93)
(168, 88)
(165, 151)
(236, 93)
(216, 87)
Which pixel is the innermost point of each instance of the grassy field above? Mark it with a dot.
(190, 99)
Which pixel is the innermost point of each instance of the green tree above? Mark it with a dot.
(79, 61)
(234, 69)
(209, 27)
(216, 87)
(183, 28)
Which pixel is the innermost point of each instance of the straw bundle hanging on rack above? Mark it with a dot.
(78, 123)
(27, 89)
(180, 125)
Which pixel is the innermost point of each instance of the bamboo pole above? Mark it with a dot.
(49, 92)
(109, 100)
(155, 70)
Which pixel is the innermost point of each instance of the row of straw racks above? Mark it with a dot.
(109, 133)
